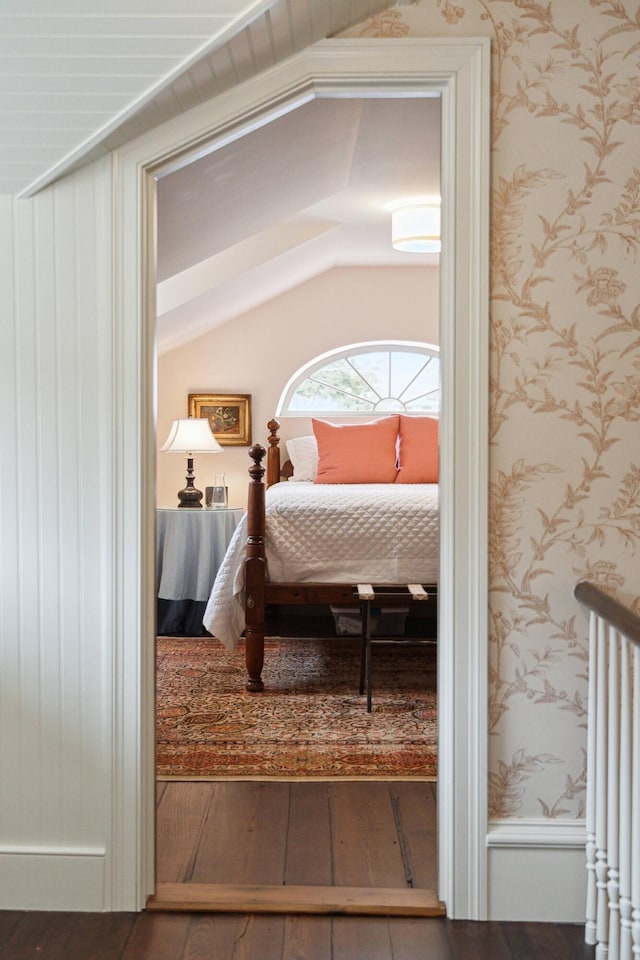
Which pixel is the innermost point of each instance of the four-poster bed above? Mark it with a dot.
(312, 541)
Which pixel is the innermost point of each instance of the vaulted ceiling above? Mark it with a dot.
(80, 77)
(309, 192)
(297, 197)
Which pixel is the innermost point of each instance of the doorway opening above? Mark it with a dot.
(313, 190)
(460, 73)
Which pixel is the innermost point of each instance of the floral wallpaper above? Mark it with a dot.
(565, 363)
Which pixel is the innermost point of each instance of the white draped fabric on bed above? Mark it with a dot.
(332, 533)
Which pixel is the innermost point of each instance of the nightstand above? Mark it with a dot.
(190, 546)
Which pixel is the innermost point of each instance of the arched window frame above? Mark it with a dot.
(317, 364)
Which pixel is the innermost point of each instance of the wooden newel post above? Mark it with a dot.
(255, 572)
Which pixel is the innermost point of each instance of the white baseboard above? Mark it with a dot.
(537, 870)
(52, 878)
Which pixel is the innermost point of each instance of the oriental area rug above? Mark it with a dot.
(310, 721)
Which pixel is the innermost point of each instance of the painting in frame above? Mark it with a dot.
(229, 416)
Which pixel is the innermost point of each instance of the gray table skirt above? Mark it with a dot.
(190, 546)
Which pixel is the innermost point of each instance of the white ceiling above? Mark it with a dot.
(78, 78)
(301, 195)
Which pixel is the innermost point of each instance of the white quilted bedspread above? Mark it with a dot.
(332, 533)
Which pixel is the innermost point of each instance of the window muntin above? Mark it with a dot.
(364, 379)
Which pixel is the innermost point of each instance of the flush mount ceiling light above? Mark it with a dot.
(415, 226)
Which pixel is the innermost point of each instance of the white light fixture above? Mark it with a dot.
(190, 436)
(415, 226)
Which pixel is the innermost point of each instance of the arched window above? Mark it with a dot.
(381, 377)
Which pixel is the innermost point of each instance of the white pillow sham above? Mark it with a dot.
(303, 453)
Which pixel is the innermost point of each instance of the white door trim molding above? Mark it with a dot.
(458, 69)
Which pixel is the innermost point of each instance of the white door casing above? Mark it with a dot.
(458, 69)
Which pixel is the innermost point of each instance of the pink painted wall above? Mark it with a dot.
(342, 306)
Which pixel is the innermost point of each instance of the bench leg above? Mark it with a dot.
(368, 670)
(365, 652)
(364, 617)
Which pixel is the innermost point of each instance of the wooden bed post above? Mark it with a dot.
(273, 456)
(255, 572)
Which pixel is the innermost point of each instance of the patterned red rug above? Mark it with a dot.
(309, 722)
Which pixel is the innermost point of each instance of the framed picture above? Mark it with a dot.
(229, 416)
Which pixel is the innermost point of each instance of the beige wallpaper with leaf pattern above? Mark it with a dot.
(565, 363)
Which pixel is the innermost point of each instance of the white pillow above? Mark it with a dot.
(303, 453)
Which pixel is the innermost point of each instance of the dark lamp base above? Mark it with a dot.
(189, 497)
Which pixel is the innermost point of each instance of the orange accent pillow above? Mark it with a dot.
(356, 453)
(417, 450)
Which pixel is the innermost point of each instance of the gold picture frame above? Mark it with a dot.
(229, 416)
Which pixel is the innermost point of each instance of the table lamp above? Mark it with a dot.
(190, 436)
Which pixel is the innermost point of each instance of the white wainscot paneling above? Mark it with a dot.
(537, 870)
(57, 608)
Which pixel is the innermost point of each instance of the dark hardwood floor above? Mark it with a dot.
(183, 936)
(338, 833)
(323, 832)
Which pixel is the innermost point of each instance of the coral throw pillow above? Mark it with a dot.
(418, 450)
(357, 453)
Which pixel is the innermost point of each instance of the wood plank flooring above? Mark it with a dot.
(324, 833)
(323, 837)
(182, 936)
(356, 833)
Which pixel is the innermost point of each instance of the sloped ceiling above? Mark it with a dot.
(301, 195)
(80, 77)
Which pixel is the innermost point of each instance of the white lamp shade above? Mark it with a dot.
(415, 228)
(191, 436)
